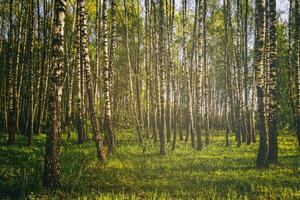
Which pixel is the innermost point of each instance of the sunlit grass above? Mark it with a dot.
(137, 171)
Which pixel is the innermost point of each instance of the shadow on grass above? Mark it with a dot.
(184, 173)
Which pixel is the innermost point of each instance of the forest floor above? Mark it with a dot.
(137, 171)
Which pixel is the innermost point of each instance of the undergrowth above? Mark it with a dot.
(137, 171)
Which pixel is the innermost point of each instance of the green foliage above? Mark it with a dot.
(285, 114)
(138, 172)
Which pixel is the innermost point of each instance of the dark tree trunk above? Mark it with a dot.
(273, 151)
(262, 156)
(162, 79)
(51, 176)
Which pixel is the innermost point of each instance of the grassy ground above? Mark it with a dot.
(132, 173)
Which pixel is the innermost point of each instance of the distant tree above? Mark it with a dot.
(12, 126)
(30, 71)
(297, 44)
(107, 124)
(199, 76)
(131, 92)
(186, 83)
(246, 74)
(79, 74)
(162, 79)
(168, 71)
(205, 74)
(89, 84)
(154, 69)
(226, 66)
(43, 70)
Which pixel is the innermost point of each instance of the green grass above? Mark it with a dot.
(216, 172)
